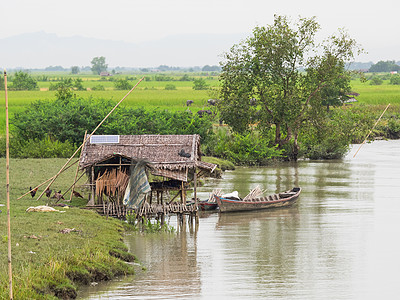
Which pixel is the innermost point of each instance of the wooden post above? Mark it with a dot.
(92, 187)
(77, 170)
(10, 278)
(75, 181)
(195, 188)
(183, 193)
(88, 137)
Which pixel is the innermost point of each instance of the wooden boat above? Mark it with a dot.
(206, 205)
(265, 202)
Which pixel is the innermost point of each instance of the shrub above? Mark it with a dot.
(376, 80)
(330, 137)
(73, 84)
(394, 128)
(98, 87)
(23, 81)
(170, 87)
(395, 79)
(199, 84)
(122, 84)
(248, 149)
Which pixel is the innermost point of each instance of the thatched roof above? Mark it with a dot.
(164, 152)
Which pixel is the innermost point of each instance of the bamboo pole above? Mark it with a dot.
(38, 186)
(73, 185)
(77, 170)
(371, 130)
(88, 137)
(10, 277)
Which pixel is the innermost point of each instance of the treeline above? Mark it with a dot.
(385, 66)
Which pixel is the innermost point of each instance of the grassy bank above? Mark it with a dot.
(48, 262)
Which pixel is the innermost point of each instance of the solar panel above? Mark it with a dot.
(104, 139)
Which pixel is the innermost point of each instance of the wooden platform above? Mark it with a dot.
(112, 209)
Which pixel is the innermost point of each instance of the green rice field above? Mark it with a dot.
(152, 94)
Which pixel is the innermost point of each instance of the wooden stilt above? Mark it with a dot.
(92, 187)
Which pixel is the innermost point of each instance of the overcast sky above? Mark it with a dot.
(374, 24)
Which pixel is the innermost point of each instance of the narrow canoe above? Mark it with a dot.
(267, 202)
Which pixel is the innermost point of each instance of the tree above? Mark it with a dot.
(23, 81)
(99, 65)
(123, 84)
(75, 70)
(376, 80)
(199, 84)
(278, 77)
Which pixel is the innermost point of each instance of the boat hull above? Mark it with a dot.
(268, 202)
(207, 206)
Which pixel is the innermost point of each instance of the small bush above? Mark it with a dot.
(200, 84)
(395, 79)
(394, 128)
(376, 80)
(170, 87)
(98, 87)
(122, 84)
(247, 149)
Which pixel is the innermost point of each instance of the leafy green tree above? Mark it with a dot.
(199, 84)
(123, 84)
(23, 81)
(336, 94)
(98, 65)
(376, 80)
(267, 69)
(75, 70)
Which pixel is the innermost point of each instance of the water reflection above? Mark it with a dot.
(338, 242)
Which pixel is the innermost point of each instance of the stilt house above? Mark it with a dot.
(172, 160)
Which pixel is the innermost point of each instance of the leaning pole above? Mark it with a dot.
(8, 189)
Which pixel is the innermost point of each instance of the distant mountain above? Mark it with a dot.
(41, 49)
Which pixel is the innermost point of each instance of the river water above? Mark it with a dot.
(340, 241)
